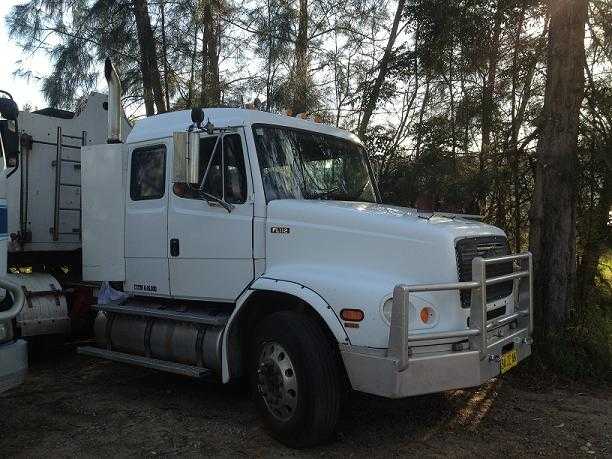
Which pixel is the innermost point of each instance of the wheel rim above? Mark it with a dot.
(277, 381)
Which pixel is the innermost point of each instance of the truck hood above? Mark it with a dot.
(378, 219)
(353, 254)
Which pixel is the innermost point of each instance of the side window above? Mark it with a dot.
(148, 173)
(207, 148)
(222, 174)
(235, 172)
(210, 167)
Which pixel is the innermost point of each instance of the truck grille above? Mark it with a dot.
(483, 246)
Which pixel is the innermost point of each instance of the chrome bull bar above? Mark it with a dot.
(400, 338)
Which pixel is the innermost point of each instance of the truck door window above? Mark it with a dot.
(211, 159)
(231, 186)
(148, 173)
(235, 173)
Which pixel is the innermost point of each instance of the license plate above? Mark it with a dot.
(509, 360)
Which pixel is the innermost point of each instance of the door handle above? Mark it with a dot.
(174, 247)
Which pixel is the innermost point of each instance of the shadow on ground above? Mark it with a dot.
(72, 405)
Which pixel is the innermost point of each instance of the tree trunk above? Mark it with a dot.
(371, 99)
(514, 129)
(151, 78)
(451, 91)
(425, 101)
(553, 213)
(269, 58)
(145, 70)
(300, 80)
(194, 55)
(162, 8)
(211, 87)
(489, 89)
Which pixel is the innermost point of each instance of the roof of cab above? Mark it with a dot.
(163, 125)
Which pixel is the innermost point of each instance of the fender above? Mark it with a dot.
(291, 288)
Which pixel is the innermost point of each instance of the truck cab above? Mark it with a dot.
(13, 351)
(254, 245)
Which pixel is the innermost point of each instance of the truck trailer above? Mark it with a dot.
(40, 225)
(254, 246)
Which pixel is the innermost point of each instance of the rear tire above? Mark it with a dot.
(295, 379)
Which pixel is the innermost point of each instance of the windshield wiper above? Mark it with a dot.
(320, 195)
(211, 197)
(327, 194)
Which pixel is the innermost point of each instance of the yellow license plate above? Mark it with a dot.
(509, 360)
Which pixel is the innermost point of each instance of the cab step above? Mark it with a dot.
(155, 364)
(204, 317)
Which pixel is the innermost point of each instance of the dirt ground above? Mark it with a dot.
(72, 405)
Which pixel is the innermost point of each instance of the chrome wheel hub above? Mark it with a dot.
(276, 381)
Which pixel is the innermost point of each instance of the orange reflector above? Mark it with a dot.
(354, 315)
(425, 315)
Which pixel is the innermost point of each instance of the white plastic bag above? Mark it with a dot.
(108, 295)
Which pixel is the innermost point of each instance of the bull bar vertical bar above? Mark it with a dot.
(400, 337)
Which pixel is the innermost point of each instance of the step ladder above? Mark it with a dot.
(147, 362)
(61, 144)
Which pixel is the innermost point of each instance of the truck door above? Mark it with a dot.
(211, 243)
(146, 221)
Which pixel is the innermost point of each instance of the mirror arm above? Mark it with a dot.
(212, 157)
(209, 197)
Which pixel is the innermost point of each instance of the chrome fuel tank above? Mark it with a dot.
(181, 342)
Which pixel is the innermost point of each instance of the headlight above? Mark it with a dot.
(420, 313)
(6, 331)
(387, 309)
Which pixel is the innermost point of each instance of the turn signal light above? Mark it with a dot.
(352, 315)
(426, 315)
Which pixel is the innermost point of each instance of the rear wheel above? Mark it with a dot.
(295, 378)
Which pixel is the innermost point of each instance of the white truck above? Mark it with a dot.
(254, 245)
(13, 351)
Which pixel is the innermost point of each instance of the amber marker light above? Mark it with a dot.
(426, 314)
(352, 315)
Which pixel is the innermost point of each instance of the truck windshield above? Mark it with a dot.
(298, 164)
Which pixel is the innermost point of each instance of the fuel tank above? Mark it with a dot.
(180, 342)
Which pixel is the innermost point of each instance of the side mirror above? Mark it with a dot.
(9, 132)
(9, 143)
(186, 165)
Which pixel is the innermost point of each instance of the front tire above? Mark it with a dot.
(295, 379)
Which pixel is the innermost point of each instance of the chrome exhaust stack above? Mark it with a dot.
(114, 102)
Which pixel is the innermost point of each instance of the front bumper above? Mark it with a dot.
(13, 364)
(414, 364)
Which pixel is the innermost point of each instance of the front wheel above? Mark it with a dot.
(295, 378)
